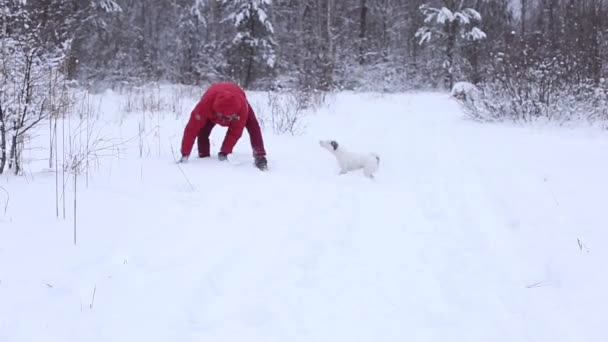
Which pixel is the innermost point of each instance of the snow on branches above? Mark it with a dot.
(28, 69)
(245, 15)
(464, 19)
(253, 39)
(108, 6)
(451, 24)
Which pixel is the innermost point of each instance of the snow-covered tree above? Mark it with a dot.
(88, 21)
(450, 24)
(198, 45)
(253, 44)
(31, 51)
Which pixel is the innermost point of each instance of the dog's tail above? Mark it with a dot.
(375, 155)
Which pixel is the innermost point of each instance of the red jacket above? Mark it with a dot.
(225, 104)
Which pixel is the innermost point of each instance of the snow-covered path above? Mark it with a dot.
(469, 233)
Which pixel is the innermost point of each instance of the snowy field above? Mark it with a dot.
(470, 232)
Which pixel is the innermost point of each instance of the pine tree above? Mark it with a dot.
(253, 46)
(451, 24)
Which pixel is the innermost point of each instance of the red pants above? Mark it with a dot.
(253, 128)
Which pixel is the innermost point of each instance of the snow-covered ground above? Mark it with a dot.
(470, 232)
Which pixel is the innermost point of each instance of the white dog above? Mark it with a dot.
(350, 161)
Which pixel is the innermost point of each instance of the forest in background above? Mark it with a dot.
(322, 44)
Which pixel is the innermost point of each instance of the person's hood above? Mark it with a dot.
(226, 104)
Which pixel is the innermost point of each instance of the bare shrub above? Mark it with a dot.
(178, 94)
(288, 108)
(312, 99)
(27, 84)
(508, 100)
(545, 88)
(152, 98)
(151, 103)
(584, 102)
(85, 147)
(143, 99)
(471, 100)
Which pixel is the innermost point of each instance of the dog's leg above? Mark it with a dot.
(343, 167)
(370, 169)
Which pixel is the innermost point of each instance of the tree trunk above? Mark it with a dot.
(552, 25)
(2, 141)
(251, 53)
(330, 42)
(449, 53)
(13, 161)
(328, 60)
(362, 32)
(596, 58)
(524, 4)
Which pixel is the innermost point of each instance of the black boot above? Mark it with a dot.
(261, 163)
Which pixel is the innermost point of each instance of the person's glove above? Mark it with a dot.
(183, 159)
(261, 163)
(222, 156)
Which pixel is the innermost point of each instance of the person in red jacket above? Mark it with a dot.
(224, 104)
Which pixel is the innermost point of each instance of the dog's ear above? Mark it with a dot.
(334, 144)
